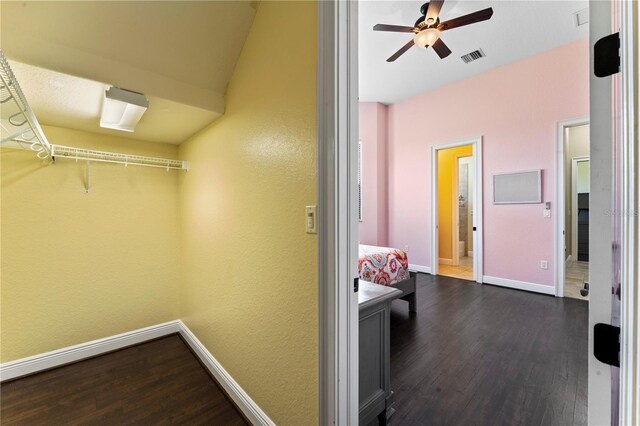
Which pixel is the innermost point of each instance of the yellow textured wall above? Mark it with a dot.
(249, 287)
(77, 266)
(447, 177)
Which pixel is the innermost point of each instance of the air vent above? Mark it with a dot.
(581, 17)
(475, 55)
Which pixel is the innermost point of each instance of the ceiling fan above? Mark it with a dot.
(428, 27)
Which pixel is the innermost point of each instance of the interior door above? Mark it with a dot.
(604, 233)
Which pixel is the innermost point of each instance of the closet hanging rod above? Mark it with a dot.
(61, 151)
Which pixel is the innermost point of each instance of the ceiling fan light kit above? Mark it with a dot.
(426, 37)
(428, 27)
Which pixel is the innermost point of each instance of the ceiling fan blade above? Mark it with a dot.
(433, 11)
(441, 49)
(393, 28)
(401, 51)
(472, 18)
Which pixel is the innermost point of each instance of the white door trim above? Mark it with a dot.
(455, 226)
(478, 204)
(574, 203)
(559, 240)
(337, 121)
(630, 250)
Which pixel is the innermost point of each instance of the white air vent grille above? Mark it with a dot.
(475, 55)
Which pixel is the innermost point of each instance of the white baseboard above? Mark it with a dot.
(519, 285)
(244, 402)
(568, 259)
(33, 364)
(57, 358)
(419, 268)
(445, 261)
(470, 253)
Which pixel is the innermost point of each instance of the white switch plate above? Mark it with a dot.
(311, 219)
(547, 213)
(544, 264)
(406, 248)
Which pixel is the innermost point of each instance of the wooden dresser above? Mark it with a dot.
(376, 397)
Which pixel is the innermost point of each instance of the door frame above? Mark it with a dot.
(337, 162)
(478, 203)
(629, 407)
(337, 35)
(574, 204)
(560, 226)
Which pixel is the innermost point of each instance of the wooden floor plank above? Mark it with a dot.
(157, 382)
(484, 355)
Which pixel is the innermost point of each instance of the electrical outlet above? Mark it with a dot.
(544, 264)
(406, 248)
(547, 213)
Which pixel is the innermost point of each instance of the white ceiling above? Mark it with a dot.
(65, 101)
(517, 29)
(180, 54)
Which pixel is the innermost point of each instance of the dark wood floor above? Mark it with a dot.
(157, 382)
(484, 355)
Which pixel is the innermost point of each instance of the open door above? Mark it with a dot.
(605, 223)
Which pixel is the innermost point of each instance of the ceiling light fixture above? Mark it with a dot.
(426, 37)
(122, 109)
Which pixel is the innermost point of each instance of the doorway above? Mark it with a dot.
(574, 201)
(457, 210)
(338, 334)
(455, 186)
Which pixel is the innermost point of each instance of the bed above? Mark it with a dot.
(389, 267)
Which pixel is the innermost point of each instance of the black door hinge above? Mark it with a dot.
(356, 282)
(474, 228)
(606, 56)
(606, 344)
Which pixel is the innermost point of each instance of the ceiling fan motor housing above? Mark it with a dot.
(421, 22)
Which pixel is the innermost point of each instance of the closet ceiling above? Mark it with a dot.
(180, 54)
(516, 30)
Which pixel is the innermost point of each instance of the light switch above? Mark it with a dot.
(311, 218)
(547, 213)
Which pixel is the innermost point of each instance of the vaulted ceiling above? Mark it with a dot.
(180, 54)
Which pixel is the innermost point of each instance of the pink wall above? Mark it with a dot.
(373, 135)
(515, 109)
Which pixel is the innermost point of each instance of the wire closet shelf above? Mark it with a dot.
(20, 129)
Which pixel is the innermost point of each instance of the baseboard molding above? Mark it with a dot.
(419, 268)
(470, 253)
(244, 402)
(33, 364)
(519, 285)
(442, 261)
(37, 363)
(567, 260)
